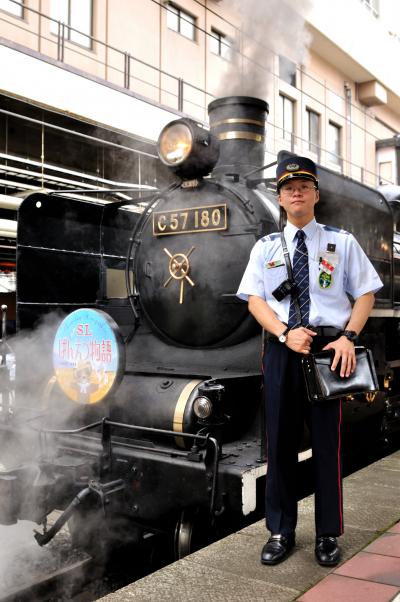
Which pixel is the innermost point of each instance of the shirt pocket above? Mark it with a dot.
(273, 277)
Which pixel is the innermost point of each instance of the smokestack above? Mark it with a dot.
(239, 124)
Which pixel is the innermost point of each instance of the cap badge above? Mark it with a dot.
(292, 166)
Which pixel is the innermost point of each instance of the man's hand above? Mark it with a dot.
(344, 351)
(300, 339)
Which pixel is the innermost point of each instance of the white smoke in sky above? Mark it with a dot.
(267, 28)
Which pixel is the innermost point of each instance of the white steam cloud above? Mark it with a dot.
(268, 27)
(22, 561)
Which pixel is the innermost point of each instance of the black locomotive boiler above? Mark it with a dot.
(156, 425)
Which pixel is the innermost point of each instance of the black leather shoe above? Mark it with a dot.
(277, 549)
(327, 551)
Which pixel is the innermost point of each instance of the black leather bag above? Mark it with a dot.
(324, 384)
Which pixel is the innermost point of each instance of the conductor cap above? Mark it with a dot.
(296, 167)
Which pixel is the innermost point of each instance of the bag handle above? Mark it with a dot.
(294, 297)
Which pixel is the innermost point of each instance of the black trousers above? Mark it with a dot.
(287, 407)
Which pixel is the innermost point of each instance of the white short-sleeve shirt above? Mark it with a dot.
(338, 267)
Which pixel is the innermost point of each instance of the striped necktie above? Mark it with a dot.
(301, 278)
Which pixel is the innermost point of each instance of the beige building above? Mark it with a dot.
(329, 75)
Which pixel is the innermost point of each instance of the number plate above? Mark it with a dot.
(193, 219)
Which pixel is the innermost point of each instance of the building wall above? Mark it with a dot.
(183, 74)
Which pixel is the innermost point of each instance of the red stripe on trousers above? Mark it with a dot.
(339, 468)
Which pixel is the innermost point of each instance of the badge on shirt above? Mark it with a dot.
(324, 280)
(328, 261)
(274, 264)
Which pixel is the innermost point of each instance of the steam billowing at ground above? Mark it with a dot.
(267, 27)
(32, 352)
(38, 402)
(20, 556)
(23, 562)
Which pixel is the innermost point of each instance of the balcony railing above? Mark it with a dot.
(129, 72)
(112, 64)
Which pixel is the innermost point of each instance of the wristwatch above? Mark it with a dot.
(282, 337)
(351, 335)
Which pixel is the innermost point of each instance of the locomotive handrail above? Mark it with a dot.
(107, 444)
(49, 431)
(135, 188)
(119, 424)
(205, 438)
(152, 429)
(249, 173)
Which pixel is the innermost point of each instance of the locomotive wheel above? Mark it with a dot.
(192, 532)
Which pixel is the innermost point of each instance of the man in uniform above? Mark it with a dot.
(328, 265)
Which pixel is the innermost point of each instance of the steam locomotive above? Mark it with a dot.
(138, 405)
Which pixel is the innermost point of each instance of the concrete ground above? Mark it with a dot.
(230, 569)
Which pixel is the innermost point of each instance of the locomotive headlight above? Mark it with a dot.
(175, 143)
(188, 148)
(202, 407)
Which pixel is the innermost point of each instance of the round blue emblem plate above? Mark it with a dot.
(88, 355)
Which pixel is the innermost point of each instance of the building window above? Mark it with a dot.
(333, 142)
(287, 112)
(287, 71)
(313, 130)
(386, 172)
(219, 44)
(76, 14)
(14, 8)
(180, 21)
(373, 6)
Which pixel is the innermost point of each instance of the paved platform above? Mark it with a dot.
(230, 569)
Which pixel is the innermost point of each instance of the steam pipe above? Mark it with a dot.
(44, 538)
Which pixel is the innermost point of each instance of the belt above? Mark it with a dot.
(326, 331)
(321, 331)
